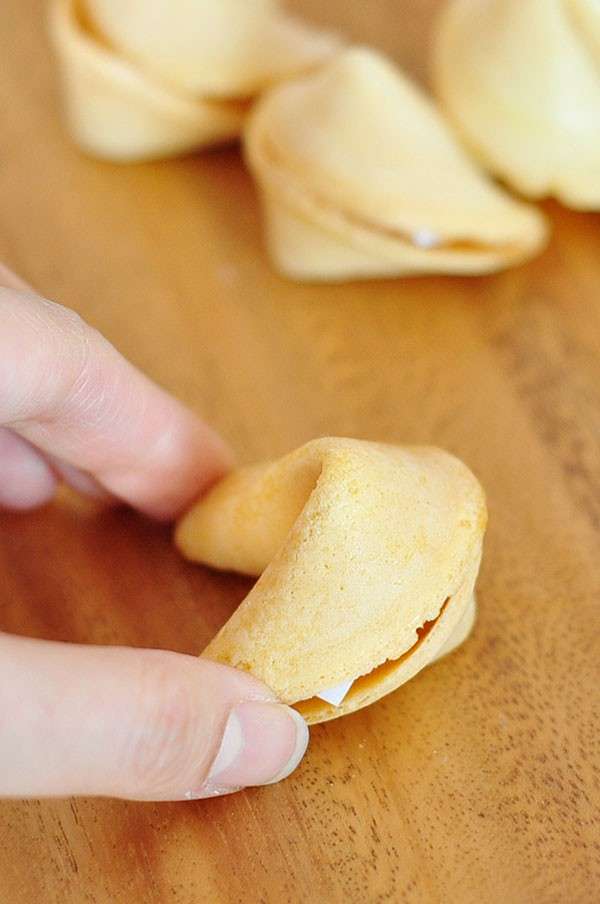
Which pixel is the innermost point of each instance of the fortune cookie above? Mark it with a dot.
(520, 80)
(361, 177)
(366, 557)
(214, 48)
(152, 78)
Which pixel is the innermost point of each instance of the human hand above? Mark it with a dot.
(140, 724)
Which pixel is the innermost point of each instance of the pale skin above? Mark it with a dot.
(131, 723)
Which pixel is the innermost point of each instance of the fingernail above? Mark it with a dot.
(262, 743)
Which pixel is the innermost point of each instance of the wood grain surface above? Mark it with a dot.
(479, 780)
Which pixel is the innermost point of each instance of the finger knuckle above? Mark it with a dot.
(161, 747)
(81, 379)
(55, 342)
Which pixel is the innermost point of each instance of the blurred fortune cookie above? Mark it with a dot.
(520, 80)
(361, 177)
(367, 555)
(153, 78)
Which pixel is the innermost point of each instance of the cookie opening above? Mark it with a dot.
(423, 238)
(363, 683)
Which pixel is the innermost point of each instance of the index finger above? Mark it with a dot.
(68, 391)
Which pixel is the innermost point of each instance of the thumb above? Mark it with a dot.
(139, 724)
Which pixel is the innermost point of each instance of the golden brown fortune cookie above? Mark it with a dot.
(152, 78)
(361, 177)
(366, 556)
(520, 80)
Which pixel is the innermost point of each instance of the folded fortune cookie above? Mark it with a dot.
(145, 79)
(212, 48)
(520, 80)
(361, 177)
(367, 555)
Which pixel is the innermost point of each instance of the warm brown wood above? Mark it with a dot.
(478, 781)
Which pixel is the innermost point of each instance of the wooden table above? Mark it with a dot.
(478, 781)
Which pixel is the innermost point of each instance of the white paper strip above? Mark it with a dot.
(336, 694)
(425, 238)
